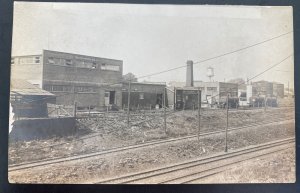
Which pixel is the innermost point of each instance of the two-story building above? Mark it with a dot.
(90, 81)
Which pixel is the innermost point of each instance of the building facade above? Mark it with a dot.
(143, 95)
(216, 92)
(90, 81)
(262, 88)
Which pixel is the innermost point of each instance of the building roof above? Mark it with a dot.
(150, 83)
(23, 87)
(80, 55)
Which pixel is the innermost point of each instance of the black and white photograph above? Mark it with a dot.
(105, 93)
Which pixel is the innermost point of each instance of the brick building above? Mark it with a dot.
(91, 81)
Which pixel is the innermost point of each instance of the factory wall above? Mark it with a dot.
(85, 94)
(74, 67)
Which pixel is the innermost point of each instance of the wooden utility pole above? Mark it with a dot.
(227, 103)
(265, 103)
(128, 110)
(165, 114)
(75, 109)
(199, 115)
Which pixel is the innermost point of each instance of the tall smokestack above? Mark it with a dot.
(189, 73)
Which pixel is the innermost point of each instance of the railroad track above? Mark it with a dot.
(23, 166)
(195, 170)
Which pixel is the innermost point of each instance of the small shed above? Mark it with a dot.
(144, 95)
(186, 98)
(28, 100)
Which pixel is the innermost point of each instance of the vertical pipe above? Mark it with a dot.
(226, 122)
(128, 110)
(199, 116)
(165, 115)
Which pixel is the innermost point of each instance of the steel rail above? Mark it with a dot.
(120, 149)
(194, 163)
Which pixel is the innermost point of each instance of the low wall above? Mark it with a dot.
(41, 128)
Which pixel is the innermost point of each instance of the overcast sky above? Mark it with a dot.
(153, 38)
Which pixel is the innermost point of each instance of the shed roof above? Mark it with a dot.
(23, 87)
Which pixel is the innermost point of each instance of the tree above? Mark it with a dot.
(237, 80)
(130, 76)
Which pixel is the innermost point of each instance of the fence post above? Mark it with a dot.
(165, 115)
(226, 148)
(199, 116)
(265, 103)
(128, 110)
(75, 109)
(57, 110)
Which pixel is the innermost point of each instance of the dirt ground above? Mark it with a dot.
(277, 168)
(112, 131)
(112, 165)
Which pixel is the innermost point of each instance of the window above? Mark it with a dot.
(141, 95)
(37, 59)
(51, 60)
(58, 88)
(94, 65)
(86, 64)
(47, 87)
(68, 62)
(211, 88)
(12, 61)
(110, 67)
(27, 60)
(15, 98)
(84, 89)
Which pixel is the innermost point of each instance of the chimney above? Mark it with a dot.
(189, 74)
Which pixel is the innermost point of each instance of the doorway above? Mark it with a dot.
(109, 97)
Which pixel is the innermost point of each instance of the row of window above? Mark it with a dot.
(26, 60)
(82, 64)
(67, 88)
(212, 89)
